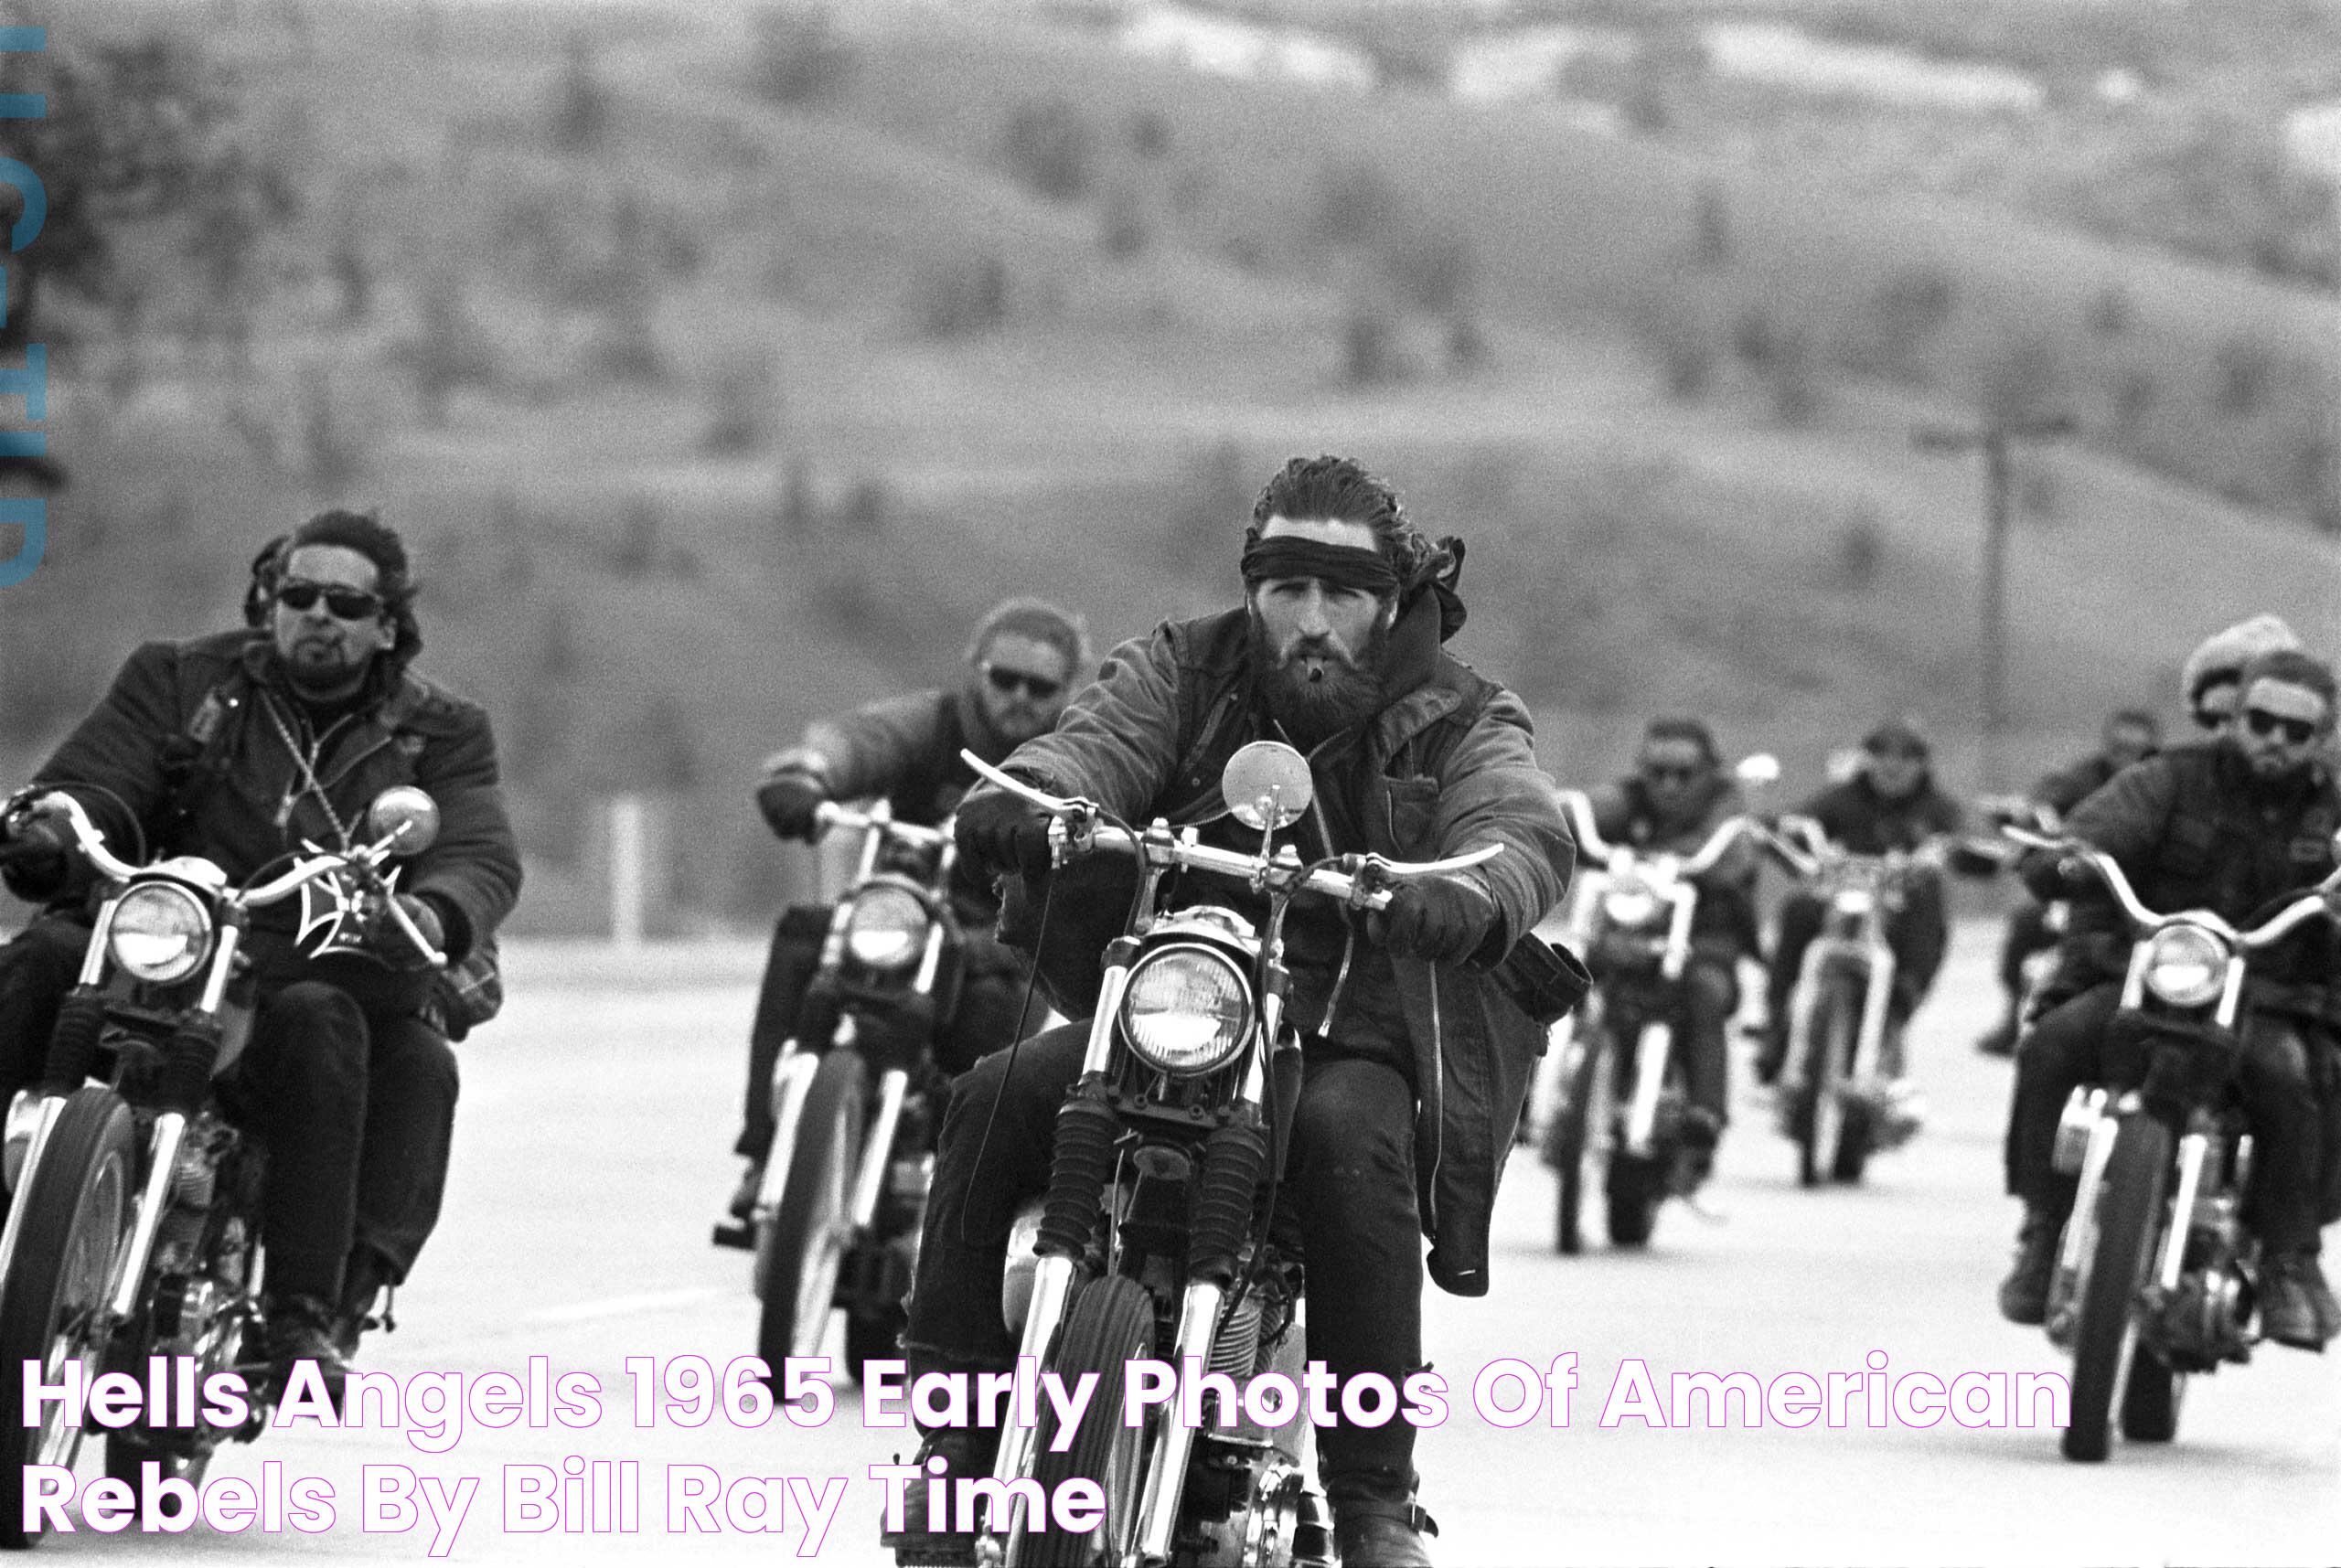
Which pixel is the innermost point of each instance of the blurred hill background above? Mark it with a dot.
(721, 364)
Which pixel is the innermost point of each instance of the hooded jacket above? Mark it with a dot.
(1445, 767)
(183, 757)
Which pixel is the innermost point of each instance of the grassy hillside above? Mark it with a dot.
(711, 406)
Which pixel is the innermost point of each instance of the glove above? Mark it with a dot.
(1002, 832)
(397, 946)
(36, 841)
(788, 801)
(1443, 919)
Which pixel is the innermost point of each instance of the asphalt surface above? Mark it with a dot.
(593, 1150)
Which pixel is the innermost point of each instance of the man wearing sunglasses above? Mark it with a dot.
(2237, 826)
(2130, 735)
(1677, 795)
(1891, 803)
(2210, 678)
(1021, 664)
(241, 748)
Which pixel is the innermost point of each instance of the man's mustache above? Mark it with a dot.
(1315, 646)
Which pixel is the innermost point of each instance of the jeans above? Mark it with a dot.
(2065, 1049)
(352, 1094)
(1349, 1180)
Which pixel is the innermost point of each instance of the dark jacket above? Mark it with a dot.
(1623, 814)
(1444, 768)
(905, 748)
(2192, 828)
(182, 755)
(2068, 788)
(1858, 819)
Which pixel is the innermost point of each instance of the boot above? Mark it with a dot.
(1702, 1131)
(964, 1453)
(2024, 1295)
(301, 1329)
(1374, 1534)
(2296, 1306)
(365, 1278)
(1772, 1046)
(743, 1201)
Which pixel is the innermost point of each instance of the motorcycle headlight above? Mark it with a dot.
(1187, 1010)
(160, 933)
(1630, 904)
(887, 928)
(1856, 901)
(2185, 966)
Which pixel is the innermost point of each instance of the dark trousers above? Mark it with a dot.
(1919, 933)
(1349, 1180)
(2067, 1048)
(353, 1096)
(988, 1014)
(1710, 995)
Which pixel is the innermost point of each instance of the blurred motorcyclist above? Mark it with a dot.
(1890, 803)
(2209, 679)
(2130, 736)
(1677, 795)
(239, 748)
(2234, 824)
(1021, 664)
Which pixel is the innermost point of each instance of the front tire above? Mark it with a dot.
(2128, 1214)
(1111, 1322)
(800, 1250)
(1635, 1188)
(77, 1208)
(2150, 1398)
(1572, 1124)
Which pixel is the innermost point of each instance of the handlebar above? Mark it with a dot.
(1082, 823)
(828, 815)
(1579, 806)
(2308, 906)
(364, 860)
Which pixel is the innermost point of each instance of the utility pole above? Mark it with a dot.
(1991, 440)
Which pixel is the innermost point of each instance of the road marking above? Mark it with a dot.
(623, 1306)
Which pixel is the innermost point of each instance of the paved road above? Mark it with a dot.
(593, 1149)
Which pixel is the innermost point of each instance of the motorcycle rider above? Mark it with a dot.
(1335, 650)
(1022, 664)
(1890, 803)
(1676, 797)
(2130, 735)
(2210, 677)
(2233, 824)
(239, 747)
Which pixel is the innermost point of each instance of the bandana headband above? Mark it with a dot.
(1336, 566)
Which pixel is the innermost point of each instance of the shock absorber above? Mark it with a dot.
(1234, 1157)
(1086, 1128)
(73, 1043)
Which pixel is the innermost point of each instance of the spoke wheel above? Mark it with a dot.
(1572, 1126)
(77, 1208)
(1111, 1322)
(2129, 1213)
(801, 1248)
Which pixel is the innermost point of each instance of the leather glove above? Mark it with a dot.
(788, 801)
(1003, 832)
(37, 844)
(1443, 919)
(395, 947)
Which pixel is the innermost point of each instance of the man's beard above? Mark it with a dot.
(1313, 709)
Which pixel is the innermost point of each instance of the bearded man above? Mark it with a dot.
(1416, 1026)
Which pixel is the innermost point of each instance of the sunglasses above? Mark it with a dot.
(2297, 732)
(345, 604)
(1006, 681)
(2208, 719)
(1670, 775)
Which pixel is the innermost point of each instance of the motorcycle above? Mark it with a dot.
(1843, 1097)
(1630, 911)
(2154, 1277)
(1152, 1241)
(835, 1218)
(135, 1229)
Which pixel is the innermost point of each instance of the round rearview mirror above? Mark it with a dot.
(1763, 768)
(405, 815)
(1267, 785)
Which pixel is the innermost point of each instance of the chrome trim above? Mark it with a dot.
(170, 1130)
(1166, 1474)
(877, 1154)
(2193, 1149)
